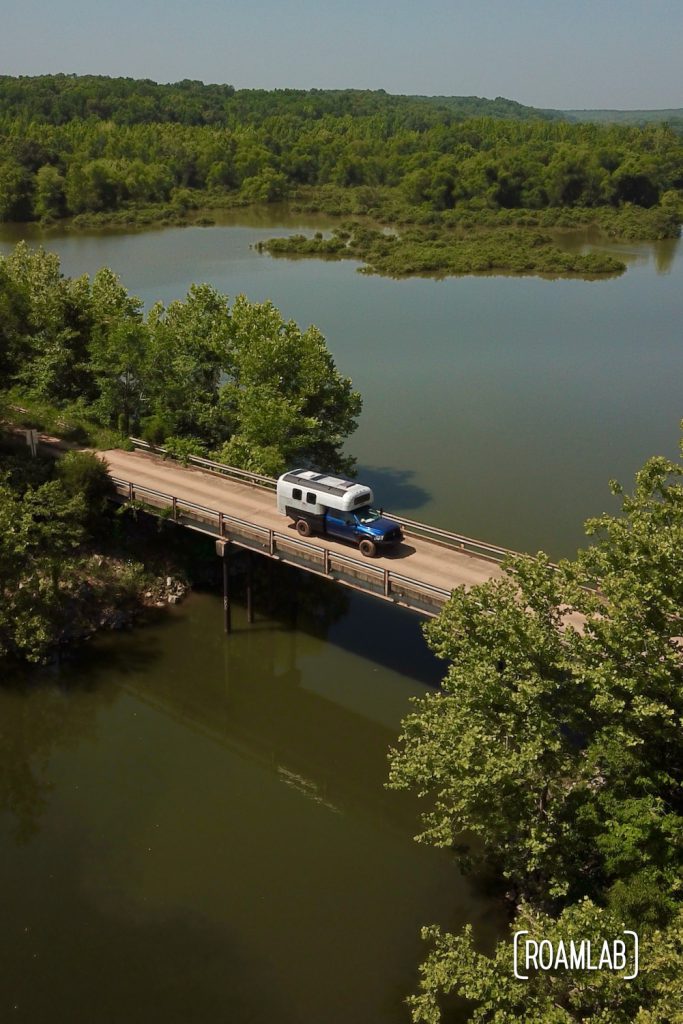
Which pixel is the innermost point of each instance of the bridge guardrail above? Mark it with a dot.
(243, 475)
(331, 564)
(470, 545)
(453, 540)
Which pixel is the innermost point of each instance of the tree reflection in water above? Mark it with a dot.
(39, 715)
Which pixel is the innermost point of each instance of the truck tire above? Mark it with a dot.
(367, 548)
(303, 528)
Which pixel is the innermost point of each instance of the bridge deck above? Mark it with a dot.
(432, 566)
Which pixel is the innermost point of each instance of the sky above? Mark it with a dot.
(573, 54)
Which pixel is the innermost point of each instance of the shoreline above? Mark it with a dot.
(458, 242)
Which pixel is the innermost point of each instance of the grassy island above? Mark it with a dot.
(433, 252)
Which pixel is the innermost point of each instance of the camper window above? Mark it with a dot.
(311, 498)
(296, 493)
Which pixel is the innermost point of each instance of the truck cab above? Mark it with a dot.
(364, 522)
(336, 508)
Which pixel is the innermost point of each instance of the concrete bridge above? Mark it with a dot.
(238, 509)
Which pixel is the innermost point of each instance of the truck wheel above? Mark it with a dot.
(367, 548)
(303, 528)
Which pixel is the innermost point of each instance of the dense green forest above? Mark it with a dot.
(101, 150)
(556, 743)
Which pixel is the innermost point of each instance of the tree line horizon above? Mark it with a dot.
(87, 145)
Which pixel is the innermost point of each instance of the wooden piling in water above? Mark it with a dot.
(227, 615)
(271, 588)
(250, 587)
(223, 552)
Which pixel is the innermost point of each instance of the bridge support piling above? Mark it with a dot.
(295, 599)
(250, 587)
(227, 615)
(271, 584)
(223, 552)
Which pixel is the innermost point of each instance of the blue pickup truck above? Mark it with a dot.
(334, 507)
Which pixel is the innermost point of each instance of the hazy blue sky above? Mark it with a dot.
(555, 53)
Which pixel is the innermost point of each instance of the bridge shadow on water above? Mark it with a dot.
(394, 488)
(376, 631)
(290, 600)
(389, 636)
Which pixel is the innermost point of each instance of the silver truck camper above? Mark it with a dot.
(312, 493)
(337, 508)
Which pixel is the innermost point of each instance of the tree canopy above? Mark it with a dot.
(556, 742)
(236, 379)
(42, 524)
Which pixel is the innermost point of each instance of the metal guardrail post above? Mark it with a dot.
(326, 561)
(386, 583)
(175, 510)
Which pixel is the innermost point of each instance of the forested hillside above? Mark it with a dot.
(672, 116)
(100, 149)
(56, 99)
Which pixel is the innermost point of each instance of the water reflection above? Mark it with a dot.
(661, 253)
(29, 732)
(313, 705)
(665, 253)
(99, 964)
(211, 821)
(257, 681)
(43, 711)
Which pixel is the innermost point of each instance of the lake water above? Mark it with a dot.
(195, 828)
(498, 407)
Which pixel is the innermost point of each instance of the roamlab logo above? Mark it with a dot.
(619, 955)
